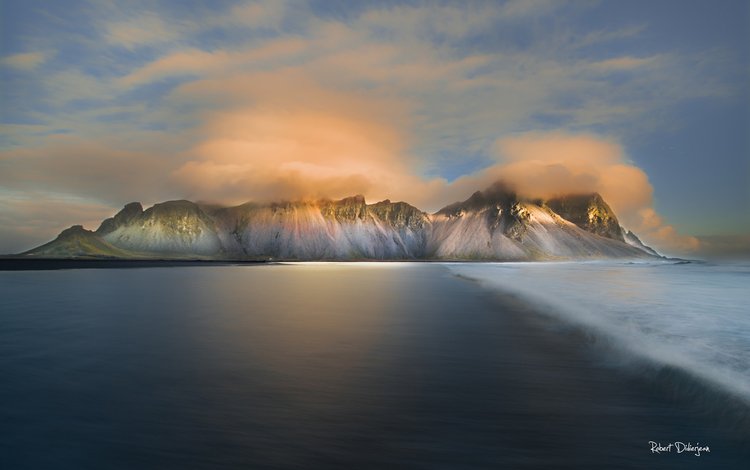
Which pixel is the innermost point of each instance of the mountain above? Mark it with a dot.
(632, 240)
(589, 212)
(345, 229)
(494, 224)
(172, 228)
(127, 214)
(77, 242)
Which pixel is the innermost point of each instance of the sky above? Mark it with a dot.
(646, 102)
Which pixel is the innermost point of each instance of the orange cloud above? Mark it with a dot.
(543, 165)
(282, 135)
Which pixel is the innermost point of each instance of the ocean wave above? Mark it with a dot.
(688, 322)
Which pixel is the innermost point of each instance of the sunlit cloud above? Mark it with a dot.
(545, 165)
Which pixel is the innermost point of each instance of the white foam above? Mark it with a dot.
(695, 317)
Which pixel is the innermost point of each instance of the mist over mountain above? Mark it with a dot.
(494, 224)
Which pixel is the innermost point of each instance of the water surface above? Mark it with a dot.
(321, 366)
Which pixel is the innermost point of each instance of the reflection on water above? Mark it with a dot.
(311, 365)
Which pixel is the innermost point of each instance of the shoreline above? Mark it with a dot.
(50, 264)
(688, 407)
(687, 388)
(14, 263)
(621, 334)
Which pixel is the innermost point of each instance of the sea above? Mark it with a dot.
(377, 365)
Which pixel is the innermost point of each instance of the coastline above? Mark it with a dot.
(45, 264)
(19, 263)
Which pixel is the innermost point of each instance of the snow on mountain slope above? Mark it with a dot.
(491, 225)
(520, 231)
(346, 229)
(632, 240)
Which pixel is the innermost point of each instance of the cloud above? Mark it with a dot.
(549, 164)
(201, 63)
(254, 14)
(425, 53)
(145, 29)
(467, 95)
(179, 63)
(282, 135)
(624, 63)
(103, 170)
(25, 61)
(158, 28)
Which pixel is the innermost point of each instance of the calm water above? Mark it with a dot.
(349, 366)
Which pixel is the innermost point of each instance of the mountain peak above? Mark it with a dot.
(173, 213)
(178, 204)
(497, 194)
(399, 214)
(350, 208)
(128, 213)
(74, 230)
(590, 212)
(132, 207)
(77, 242)
(352, 200)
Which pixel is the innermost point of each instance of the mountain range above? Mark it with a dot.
(494, 224)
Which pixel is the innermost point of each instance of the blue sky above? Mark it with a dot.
(102, 103)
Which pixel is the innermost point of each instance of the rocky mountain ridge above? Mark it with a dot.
(494, 224)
